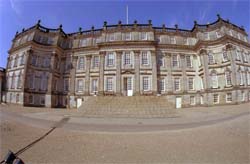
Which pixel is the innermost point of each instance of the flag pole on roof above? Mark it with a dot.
(127, 13)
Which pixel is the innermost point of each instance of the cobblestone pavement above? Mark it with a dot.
(226, 141)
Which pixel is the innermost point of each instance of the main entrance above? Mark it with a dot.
(128, 86)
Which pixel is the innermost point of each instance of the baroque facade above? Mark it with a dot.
(207, 65)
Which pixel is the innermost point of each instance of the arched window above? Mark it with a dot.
(214, 79)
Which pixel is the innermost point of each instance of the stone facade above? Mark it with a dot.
(207, 65)
(2, 84)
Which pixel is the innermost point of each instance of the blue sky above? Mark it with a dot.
(72, 14)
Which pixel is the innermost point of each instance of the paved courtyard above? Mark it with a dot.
(194, 135)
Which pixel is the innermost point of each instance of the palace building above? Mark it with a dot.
(207, 65)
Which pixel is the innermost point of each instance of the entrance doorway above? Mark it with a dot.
(128, 86)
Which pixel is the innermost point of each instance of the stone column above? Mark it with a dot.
(118, 72)
(154, 72)
(101, 73)
(137, 72)
(169, 74)
(71, 94)
(87, 74)
(184, 74)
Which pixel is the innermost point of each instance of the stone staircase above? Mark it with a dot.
(126, 107)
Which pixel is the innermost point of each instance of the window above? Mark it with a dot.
(81, 63)
(229, 97)
(201, 99)
(16, 60)
(225, 56)
(66, 85)
(172, 40)
(177, 85)
(19, 80)
(241, 78)
(161, 61)
(244, 57)
(22, 59)
(94, 85)
(214, 79)
(210, 58)
(228, 78)
(46, 62)
(175, 61)
(109, 85)
(188, 60)
(206, 36)
(127, 58)
(237, 55)
(162, 84)
(55, 85)
(31, 81)
(144, 36)
(31, 99)
(191, 83)
(218, 34)
(96, 62)
(80, 85)
(185, 40)
(216, 98)
(111, 37)
(231, 32)
(192, 100)
(145, 58)
(128, 36)
(145, 84)
(110, 59)
(248, 78)
(33, 60)
(42, 100)
(242, 96)
(82, 43)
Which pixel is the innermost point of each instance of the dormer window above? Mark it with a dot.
(218, 34)
(185, 40)
(112, 37)
(128, 36)
(172, 40)
(144, 36)
(83, 42)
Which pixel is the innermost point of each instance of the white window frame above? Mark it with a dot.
(146, 83)
(211, 58)
(144, 58)
(228, 78)
(109, 84)
(229, 99)
(189, 62)
(144, 36)
(191, 83)
(214, 79)
(81, 63)
(218, 34)
(243, 96)
(175, 60)
(192, 100)
(241, 78)
(172, 40)
(94, 86)
(128, 36)
(225, 56)
(96, 62)
(80, 88)
(127, 58)
(110, 59)
(111, 37)
(162, 84)
(177, 84)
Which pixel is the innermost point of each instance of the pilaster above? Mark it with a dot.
(137, 72)
(118, 72)
(169, 73)
(101, 74)
(154, 72)
(87, 78)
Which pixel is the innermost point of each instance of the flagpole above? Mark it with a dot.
(127, 13)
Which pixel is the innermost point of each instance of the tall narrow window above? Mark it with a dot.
(214, 79)
(172, 40)
(238, 55)
(110, 59)
(22, 59)
(191, 83)
(225, 56)
(162, 84)
(66, 84)
(94, 85)
(216, 98)
(192, 100)
(145, 59)
(145, 84)
(111, 37)
(248, 78)
(19, 80)
(188, 60)
(96, 62)
(143, 36)
(210, 59)
(79, 85)
(175, 61)
(109, 84)
(241, 78)
(128, 36)
(127, 58)
(177, 85)
(81, 63)
(82, 43)
(229, 97)
(244, 57)
(242, 96)
(228, 78)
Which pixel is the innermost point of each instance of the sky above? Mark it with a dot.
(72, 14)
